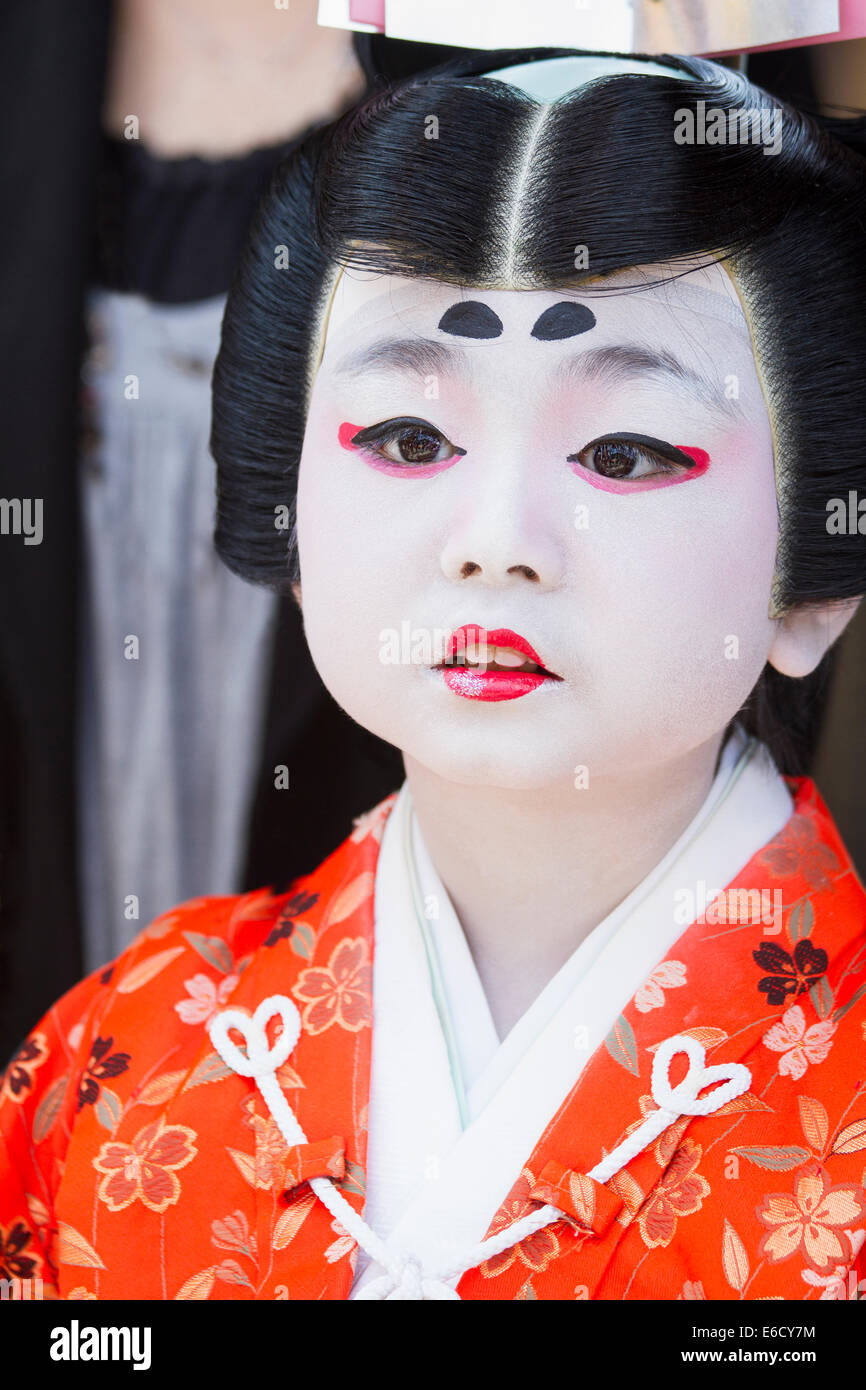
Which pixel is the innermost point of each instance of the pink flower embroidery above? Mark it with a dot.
(669, 975)
(680, 1192)
(268, 1166)
(808, 1221)
(537, 1251)
(145, 1169)
(206, 999)
(271, 1152)
(692, 1290)
(834, 1284)
(339, 992)
(800, 1045)
(842, 1282)
(798, 849)
(233, 1233)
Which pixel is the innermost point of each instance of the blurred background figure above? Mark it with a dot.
(163, 733)
(147, 697)
(202, 101)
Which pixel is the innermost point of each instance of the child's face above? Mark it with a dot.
(639, 572)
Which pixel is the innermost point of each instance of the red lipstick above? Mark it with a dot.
(492, 683)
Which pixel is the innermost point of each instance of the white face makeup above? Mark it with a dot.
(591, 471)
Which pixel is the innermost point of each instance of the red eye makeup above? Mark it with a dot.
(637, 462)
(407, 446)
(402, 447)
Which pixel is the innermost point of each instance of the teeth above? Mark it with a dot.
(507, 656)
(482, 654)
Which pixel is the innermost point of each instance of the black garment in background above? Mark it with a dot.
(51, 79)
(171, 230)
(787, 73)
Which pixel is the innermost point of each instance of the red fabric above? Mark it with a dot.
(325, 1159)
(134, 1164)
(591, 1205)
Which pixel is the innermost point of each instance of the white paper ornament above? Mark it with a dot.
(550, 78)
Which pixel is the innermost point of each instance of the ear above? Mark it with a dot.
(805, 634)
(296, 591)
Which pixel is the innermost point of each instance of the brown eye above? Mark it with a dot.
(615, 460)
(415, 445)
(631, 456)
(407, 441)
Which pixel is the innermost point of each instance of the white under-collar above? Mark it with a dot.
(717, 843)
(426, 1174)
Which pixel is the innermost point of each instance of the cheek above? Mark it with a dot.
(680, 586)
(356, 557)
(733, 545)
(352, 530)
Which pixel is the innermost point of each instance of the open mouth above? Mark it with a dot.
(497, 665)
(485, 657)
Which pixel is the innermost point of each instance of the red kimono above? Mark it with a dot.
(135, 1164)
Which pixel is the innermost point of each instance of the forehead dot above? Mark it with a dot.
(563, 320)
(471, 319)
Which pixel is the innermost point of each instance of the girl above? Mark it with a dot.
(538, 397)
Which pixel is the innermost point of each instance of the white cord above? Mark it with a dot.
(405, 1278)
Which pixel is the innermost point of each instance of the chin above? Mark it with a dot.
(506, 762)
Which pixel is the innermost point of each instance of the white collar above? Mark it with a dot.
(429, 1181)
(716, 842)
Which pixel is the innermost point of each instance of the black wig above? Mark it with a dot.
(525, 184)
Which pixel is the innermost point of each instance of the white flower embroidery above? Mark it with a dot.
(801, 1045)
(343, 1245)
(207, 998)
(669, 975)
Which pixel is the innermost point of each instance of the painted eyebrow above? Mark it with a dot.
(621, 362)
(420, 355)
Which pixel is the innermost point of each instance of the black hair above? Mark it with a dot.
(523, 187)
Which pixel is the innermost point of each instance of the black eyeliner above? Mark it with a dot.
(386, 428)
(658, 446)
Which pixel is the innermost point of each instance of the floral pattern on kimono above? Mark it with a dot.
(135, 1164)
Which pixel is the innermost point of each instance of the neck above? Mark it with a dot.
(531, 873)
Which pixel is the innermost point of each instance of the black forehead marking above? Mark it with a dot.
(471, 319)
(564, 320)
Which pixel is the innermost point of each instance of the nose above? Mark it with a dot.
(506, 528)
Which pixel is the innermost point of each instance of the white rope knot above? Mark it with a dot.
(683, 1098)
(406, 1281)
(674, 1101)
(260, 1059)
